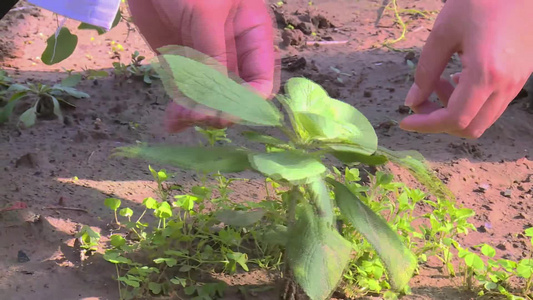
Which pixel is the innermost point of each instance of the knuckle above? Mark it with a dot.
(461, 122)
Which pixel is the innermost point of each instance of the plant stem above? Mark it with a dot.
(118, 282)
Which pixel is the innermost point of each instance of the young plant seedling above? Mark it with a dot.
(46, 99)
(319, 126)
(136, 69)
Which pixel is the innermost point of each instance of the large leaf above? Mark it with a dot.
(350, 157)
(414, 162)
(317, 254)
(263, 139)
(59, 47)
(71, 80)
(239, 218)
(292, 166)
(317, 116)
(29, 117)
(70, 91)
(321, 199)
(201, 84)
(204, 159)
(398, 259)
(6, 111)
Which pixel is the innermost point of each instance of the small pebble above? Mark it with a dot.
(22, 257)
(507, 193)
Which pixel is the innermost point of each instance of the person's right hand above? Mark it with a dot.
(238, 33)
(494, 39)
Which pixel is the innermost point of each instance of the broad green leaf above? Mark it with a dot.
(525, 268)
(154, 287)
(414, 162)
(163, 211)
(317, 254)
(28, 117)
(150, 203)
(321, 199)
(179, 281)
(204, 159)
(474, 261)
(71, 91)
(126, 212)
(115, 258)
(6, 111)
(72, 80)
(349, 157)
(168, 261)
(239, 218)
(263, 139)
(276, 236)
(130, 280)
(529, 232)
(15, 87)
(397, 258)
(210, 88)
(186, 201)
(291, 166)
(117, 240)
(97, 74)
(240, 258)
(60, 48)
(57, 109)
(85, 26)
(317, 116)
(112, 203)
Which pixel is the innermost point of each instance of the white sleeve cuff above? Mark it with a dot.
(99, 13)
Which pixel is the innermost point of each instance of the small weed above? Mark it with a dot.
(46, 98)
(135, 69)
(183, 239)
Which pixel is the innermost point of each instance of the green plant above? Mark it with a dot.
(136, 69)
(320, 126)
(46, 98)
(487, 276)
(62, 43)
(181, 239)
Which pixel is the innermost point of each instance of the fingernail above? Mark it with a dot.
(412, 95)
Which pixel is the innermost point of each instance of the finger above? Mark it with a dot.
(151, 24)
(464, 104)
(444, 90)
(208, 33)
(440, 46)
(486, 116)
(255, 46)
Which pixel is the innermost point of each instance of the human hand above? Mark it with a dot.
(494, 40)
(237, 33)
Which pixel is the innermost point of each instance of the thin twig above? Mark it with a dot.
(67, 208)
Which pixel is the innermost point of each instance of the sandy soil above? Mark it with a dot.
(38, 165)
